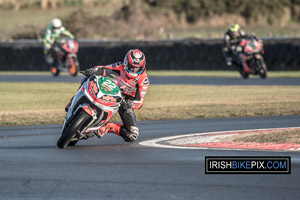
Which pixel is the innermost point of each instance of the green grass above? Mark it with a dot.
(294, 74)
(207, 73)
(275, 136)
(218, 32)
(43, 103)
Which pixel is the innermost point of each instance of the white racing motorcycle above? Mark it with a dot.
(95, 102)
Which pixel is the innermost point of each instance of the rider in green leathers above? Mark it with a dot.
(52, 35)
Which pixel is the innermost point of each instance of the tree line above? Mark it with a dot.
(192, 10)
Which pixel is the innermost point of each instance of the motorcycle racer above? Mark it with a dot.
(52, 34)
(135, 82)
(232, 38)
(232, 50)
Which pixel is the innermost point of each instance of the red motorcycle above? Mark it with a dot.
(65, 54)
(251, 50)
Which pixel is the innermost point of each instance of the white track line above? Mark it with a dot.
(154, 142)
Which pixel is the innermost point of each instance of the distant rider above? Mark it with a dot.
(52, 35)
(232, 39)
(132, 73)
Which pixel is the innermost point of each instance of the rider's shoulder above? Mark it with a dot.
(119, 64)
(227, 37)
(243, 33)
(48, 29)
(143, 78)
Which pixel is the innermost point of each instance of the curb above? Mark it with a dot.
(212, 140)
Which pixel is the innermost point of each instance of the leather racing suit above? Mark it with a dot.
(135, 90)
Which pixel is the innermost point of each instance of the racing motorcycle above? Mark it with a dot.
(65, 53)
(252, 49)
(94, 104)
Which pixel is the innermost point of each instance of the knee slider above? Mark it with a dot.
(130, 136)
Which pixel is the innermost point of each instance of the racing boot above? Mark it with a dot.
(109, 128)
(129, 135)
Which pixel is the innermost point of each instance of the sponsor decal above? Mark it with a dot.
(247, 165)
(108, 86)
(109, 98)
(145, 81)
(94, 87)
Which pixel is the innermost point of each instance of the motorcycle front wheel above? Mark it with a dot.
(54, 70)
(73, 68)
(262, 69)
(77, 124)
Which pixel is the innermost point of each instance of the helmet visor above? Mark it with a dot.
(133, 69)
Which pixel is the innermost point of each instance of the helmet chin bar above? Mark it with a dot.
(130, 74)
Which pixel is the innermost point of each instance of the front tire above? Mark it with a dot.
(54, 70)
(74, 66)
(73, 143)
(262, 69)
(76, 125)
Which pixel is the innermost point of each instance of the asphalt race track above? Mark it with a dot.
(32, 167)
(163, 80)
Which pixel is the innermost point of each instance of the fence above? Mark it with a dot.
(188, 54)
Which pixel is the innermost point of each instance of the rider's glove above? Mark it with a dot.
(89, 72)
(128, 104)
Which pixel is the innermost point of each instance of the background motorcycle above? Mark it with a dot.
(96, 101)
(65, 53)
(252, 50)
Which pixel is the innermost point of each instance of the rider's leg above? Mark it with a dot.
(227, 55)
(129, 131)
(109, 128)
(49, 57)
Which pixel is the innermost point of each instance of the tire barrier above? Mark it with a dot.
(187, 54)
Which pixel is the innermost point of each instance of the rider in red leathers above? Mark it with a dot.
(132, 73)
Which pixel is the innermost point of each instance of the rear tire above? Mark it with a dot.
(244, 74)
(77, 124)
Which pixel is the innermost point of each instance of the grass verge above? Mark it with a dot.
(276, 136)
(200, 73)
(43, 103)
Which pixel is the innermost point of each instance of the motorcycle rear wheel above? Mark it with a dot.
(244, 74)
(76, 125)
